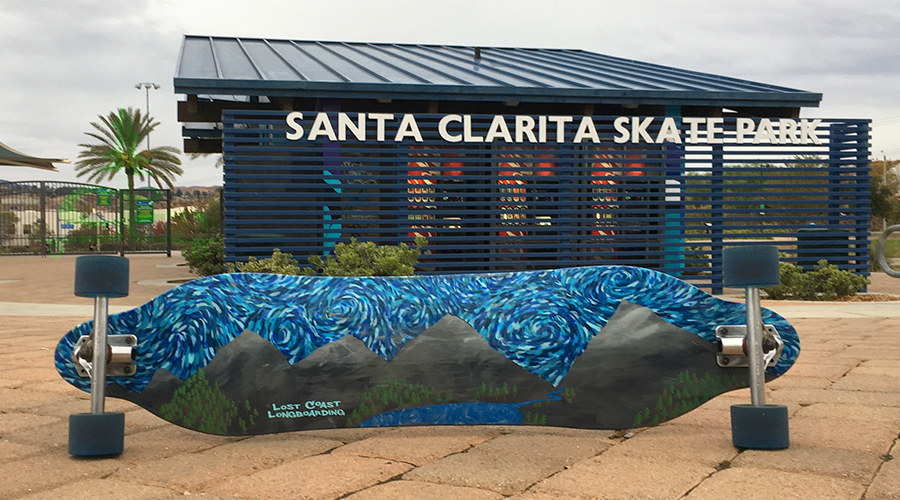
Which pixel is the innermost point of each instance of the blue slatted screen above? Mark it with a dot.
(501, 206)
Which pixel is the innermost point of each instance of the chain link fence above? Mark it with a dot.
(41, 218)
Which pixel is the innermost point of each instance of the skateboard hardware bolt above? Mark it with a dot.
(120, 355)
(731, 346)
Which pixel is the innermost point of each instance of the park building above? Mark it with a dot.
(517, 158)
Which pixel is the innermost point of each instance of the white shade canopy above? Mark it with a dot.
(11, 157)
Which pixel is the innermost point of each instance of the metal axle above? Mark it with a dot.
(98, 363)
(756, 361)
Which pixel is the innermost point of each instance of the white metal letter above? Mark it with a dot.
(560, 122)
(765, 132)
(808, 131)
(713, 127)
(525, 127)
(322, 126)
(291, 120)
(357, 129)
(497, 129)
(619, 125)
(787, 130)
(639, 130)
(442, 128)
(745, 126)
(695, 128)
(408, 127)
(467, 130)
(379, 122)
(669, 132)
(587, 130)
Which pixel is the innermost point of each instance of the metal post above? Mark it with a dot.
(754, 347)
(168, 222)
(121, 223)
(44, 245)
(884, 182)
(98, 363)
(147, 86)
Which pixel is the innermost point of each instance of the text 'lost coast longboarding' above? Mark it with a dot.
(607, 347)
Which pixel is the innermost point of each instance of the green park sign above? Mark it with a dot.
(144, 212)
(104, 197)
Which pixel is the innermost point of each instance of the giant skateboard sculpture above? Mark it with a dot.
(607, 347)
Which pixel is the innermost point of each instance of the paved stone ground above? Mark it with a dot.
(843, 395)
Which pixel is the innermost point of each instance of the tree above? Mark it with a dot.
(8, 222)
(220, 158)
(883, 193)
(121, 135)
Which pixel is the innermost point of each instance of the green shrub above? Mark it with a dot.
(206, 257)
(825, 282)
(350, 259)
(368, 259)
(278, 263)
(874, 265)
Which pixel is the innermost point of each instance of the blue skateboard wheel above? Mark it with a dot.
(101, 276)
(100, 434)
(750, 266)
(760, 427)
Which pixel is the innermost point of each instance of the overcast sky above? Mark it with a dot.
(65, 62)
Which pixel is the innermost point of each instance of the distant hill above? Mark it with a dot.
(190, 195)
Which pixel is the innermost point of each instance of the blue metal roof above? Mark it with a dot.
(258, 66)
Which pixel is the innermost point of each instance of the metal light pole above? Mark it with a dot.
(147, 86)
(884, 181)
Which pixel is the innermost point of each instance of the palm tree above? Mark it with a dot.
(121, 136)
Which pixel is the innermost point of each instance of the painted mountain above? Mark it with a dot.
(251, 388)
(638, 370)
(641, 370)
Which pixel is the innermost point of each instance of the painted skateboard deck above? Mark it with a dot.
(604, 347)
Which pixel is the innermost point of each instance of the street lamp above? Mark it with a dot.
(147, 86)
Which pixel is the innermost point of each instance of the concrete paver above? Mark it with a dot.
(886, 485)
(812, 396)
(509, 464)
(93, 489)
(10, 451)
(316, 478)
(849, 412)
(856, 466)
(843, 396)
(49, 470)
(166, 442)
(198, 471)
(748, 483)
(868, 436)
(626, 478)
(417, 490)
(420, 445)
(705, 446)
(865, 382)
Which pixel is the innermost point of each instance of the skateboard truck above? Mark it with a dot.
(100, 433)
(731, 343)
(120, 355)
(757, 425)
